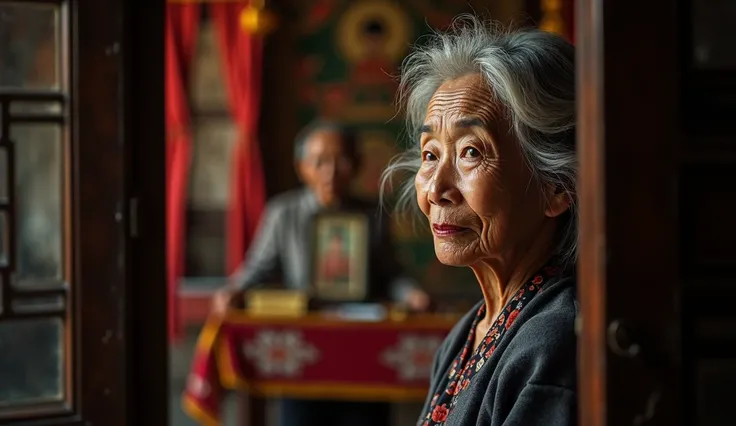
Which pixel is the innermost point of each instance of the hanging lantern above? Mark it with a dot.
(256, 19)
(552, 20)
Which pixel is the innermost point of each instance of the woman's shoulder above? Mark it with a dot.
(550, 317)
(543, 348)
(558, 296)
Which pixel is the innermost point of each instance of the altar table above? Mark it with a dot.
(312, 356)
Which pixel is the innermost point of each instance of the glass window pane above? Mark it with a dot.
(714, 34)
(31, 361)
(29, 45)
(39, 204)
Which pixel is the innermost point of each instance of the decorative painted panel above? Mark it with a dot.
(349, 56)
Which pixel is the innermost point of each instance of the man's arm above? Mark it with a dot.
(262, 260)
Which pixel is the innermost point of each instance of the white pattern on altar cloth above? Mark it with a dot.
(280, 353)
(198, 386)
(412, 356)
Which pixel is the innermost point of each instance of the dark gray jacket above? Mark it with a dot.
(530, 380)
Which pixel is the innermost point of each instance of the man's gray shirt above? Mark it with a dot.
(282, 248)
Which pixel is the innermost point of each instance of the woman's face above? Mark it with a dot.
(473, 185)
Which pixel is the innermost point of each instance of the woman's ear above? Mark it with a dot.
(558, 201)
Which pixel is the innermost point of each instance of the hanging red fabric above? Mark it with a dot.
(182, 25)
(242, 55)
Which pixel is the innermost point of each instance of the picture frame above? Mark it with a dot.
(340, 257)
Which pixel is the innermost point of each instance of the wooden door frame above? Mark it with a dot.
(121, 372)
(148, 352)
(628, 110)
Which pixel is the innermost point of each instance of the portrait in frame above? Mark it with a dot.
(340, 257)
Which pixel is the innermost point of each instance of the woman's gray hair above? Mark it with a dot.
(531, 73)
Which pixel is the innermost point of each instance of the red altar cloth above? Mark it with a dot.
(312, 357)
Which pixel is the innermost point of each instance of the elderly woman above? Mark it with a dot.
(493, 117)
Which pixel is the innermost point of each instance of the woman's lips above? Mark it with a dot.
(446, 230)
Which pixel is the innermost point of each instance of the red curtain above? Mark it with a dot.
(242, 63)
(182, 24)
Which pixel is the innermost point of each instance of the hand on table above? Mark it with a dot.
(225, 299)
(417, 300)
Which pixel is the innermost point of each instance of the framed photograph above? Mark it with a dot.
(340, 257)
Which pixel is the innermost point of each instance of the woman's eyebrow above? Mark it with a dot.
(470, 122)
(463, 122)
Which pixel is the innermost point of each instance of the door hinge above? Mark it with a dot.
(133, 215)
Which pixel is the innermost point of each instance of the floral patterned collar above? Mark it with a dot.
(463, 367)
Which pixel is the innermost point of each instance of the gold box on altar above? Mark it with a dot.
(282, 303)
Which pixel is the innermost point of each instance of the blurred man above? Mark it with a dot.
(326, 160)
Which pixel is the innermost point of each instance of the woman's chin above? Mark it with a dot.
(453, 252)
(453, 258)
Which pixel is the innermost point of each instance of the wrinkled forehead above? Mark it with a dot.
(464, 99)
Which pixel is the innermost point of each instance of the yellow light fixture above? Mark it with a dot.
(552, 20)
(256, 19)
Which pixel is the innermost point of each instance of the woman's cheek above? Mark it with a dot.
(421, 183)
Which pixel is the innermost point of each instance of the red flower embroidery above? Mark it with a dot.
(451, 388)
(434, 399)
(426, 423)
(537, 280)
(512, 318)
(501, 318)
(465, 384)
(440, 412)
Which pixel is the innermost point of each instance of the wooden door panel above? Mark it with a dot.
(708, 209)
(658, 204)
(628, 276)
(103, 87)
(99, 201)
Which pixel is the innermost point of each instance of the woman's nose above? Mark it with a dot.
(443, 187)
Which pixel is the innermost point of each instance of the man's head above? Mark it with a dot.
(326, 159)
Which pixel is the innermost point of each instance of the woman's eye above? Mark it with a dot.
(470, 152)
(428, 156)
